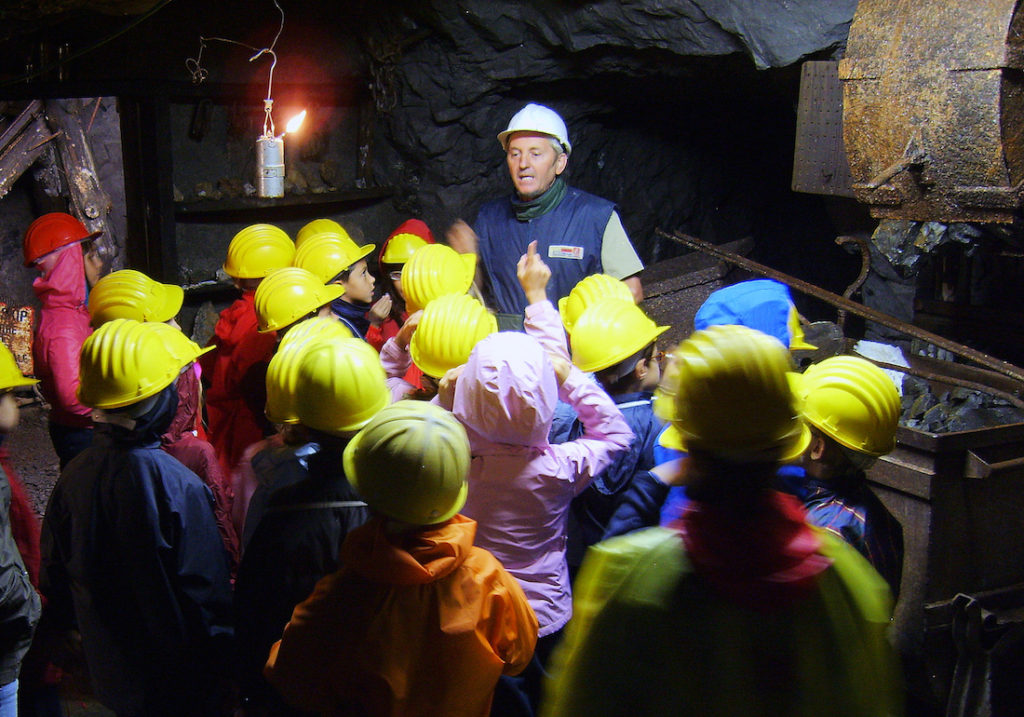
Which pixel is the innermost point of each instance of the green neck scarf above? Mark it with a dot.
(533, 208)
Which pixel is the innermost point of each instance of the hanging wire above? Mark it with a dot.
(200, 74)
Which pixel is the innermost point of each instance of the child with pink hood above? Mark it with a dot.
(520, 486)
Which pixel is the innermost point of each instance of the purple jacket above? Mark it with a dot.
(520, 486)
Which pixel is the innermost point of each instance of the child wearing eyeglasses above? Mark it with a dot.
(389, 313)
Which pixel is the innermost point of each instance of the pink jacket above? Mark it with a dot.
(63, 328)
(520, 486)
(396, 363)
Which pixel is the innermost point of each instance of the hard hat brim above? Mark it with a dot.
(173, 298)
(331, 292)
(84, 239)
(672, 439)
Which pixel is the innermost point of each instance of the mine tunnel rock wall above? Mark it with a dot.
(677, 111)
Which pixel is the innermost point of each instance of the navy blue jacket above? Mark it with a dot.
(132, 556)
(295, 544)
(849, 508)
(575, 228)
(593, 508)
(353, 316)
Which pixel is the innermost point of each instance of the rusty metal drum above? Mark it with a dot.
(933, 108)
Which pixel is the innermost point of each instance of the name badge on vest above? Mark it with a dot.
(561, 251)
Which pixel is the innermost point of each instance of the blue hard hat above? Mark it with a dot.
(761, 304)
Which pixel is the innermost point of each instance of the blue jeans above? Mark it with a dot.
(9, 699)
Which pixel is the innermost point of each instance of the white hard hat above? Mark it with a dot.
(537, 118)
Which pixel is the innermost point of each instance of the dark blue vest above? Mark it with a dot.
(568, 240)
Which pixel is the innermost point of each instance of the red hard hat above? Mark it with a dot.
(52, 231)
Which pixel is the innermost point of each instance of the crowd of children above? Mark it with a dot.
(394, 508)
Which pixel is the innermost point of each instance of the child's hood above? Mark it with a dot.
(415, 558)
(507, 392)
(64, 285)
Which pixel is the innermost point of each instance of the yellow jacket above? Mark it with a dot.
(650, 637)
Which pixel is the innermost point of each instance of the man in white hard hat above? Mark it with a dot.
(578, 234)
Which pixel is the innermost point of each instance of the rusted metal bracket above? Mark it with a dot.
(913, 158)
(865, 266)
(982, 359)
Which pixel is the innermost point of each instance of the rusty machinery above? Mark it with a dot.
(933, 109)
(933, 125)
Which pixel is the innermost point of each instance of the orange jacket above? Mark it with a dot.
(417, 623)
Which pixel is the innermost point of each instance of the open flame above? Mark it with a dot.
(295, 122)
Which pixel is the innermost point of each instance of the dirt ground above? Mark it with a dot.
(33, 456)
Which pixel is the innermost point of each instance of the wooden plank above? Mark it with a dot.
(21, 143)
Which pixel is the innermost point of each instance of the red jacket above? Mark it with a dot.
(198, 456)
(376, 336)
(237, 369)
(414, 624)
(63, 328)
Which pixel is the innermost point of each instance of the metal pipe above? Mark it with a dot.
(950, 381)
(998, 365)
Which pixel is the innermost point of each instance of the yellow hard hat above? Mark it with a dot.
(130, 294)
(400, 247)
(10, 374)
(664, 403)
(258, 250)
(288, 295)
(340, 386)
(125, 361)
(315, 227)
(797, 340)
(587, 291)
(664, 408)
(327, 254)
(283, 368)
(410, 463)
(733, 396)
(447, 332)
(609, 331)
(853, 401)
(436, 270)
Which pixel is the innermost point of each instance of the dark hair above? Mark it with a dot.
(714, 479)
(397, 302)
(617, 378)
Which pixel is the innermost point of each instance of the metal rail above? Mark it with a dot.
(998, 365)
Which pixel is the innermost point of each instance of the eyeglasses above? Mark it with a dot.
(395, 275)
(659, 356)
